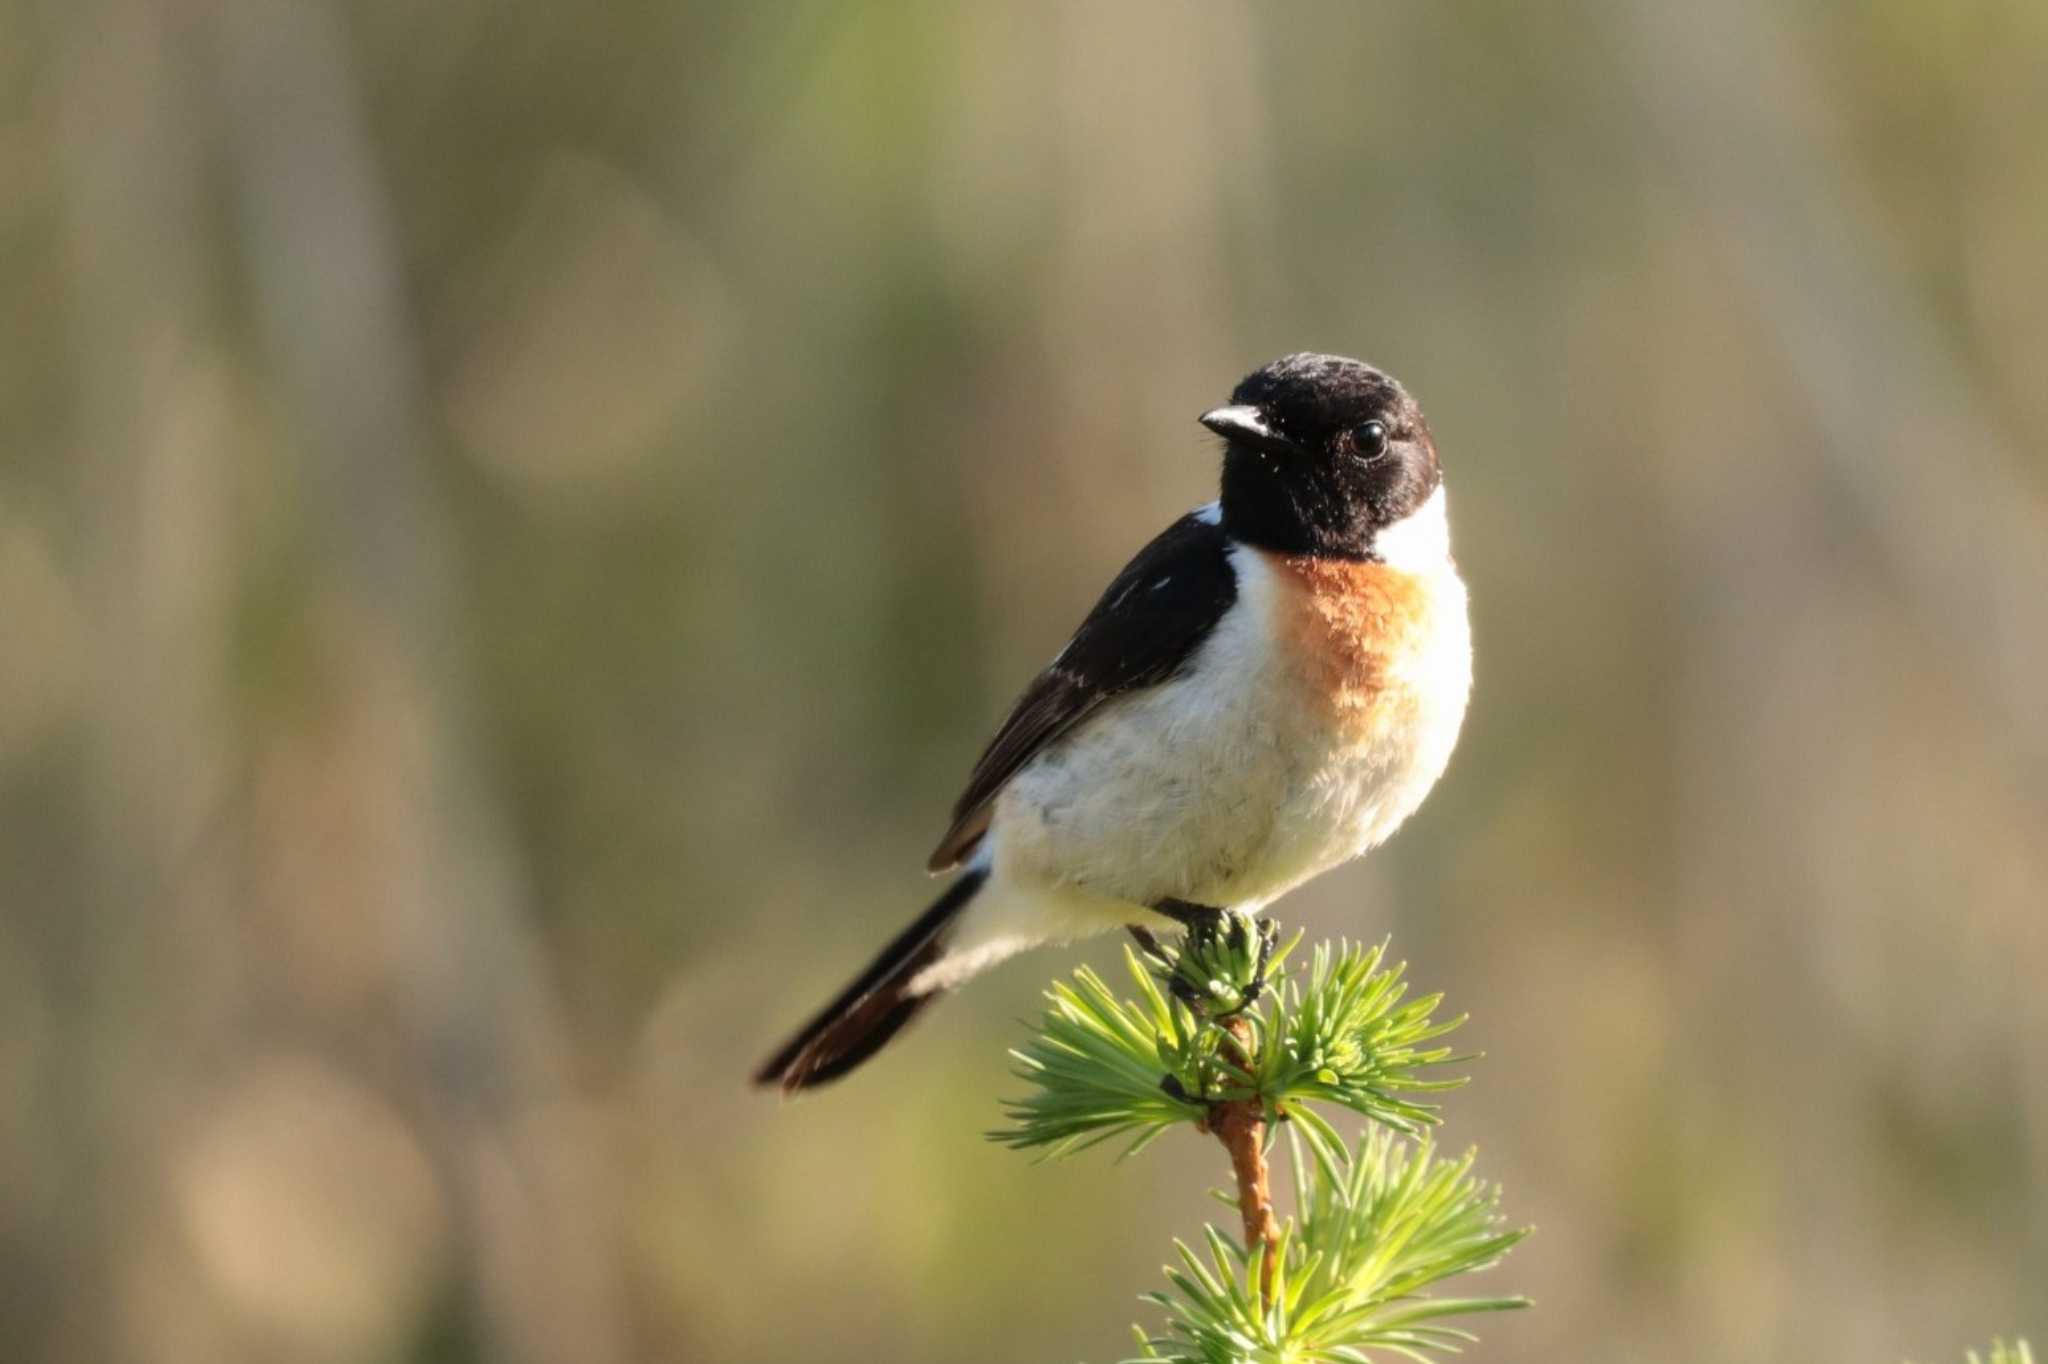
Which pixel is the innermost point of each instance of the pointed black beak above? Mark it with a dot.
(1247, 426)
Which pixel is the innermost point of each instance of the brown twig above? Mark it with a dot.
(1240, 1124)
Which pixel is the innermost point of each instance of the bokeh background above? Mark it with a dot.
(516, 518)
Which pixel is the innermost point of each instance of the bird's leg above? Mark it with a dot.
(1269, 938)
(1190, 917)
(1188, 914)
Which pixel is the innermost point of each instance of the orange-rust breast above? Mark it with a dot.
(1349, 627)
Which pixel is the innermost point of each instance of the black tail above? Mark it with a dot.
(875, 1007)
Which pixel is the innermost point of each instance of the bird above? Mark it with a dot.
(1269, 689)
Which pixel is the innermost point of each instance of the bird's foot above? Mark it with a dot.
(1269, 939)
(1165, 960)
(1195, 920)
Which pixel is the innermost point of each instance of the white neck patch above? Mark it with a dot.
(1419, 542)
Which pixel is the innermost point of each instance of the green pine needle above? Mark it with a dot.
(1375, 1233)
(1103, 1067)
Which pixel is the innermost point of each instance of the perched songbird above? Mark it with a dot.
(1266, 691)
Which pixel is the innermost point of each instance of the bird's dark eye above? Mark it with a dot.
(1371, 439)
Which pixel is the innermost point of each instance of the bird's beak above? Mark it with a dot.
(1247, 426)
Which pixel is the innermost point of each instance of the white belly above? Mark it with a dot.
(1231, 785)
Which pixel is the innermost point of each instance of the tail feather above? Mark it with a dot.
(874, 1008)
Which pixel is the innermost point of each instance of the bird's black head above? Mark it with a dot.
(1323, 454)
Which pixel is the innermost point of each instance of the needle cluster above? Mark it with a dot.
(1376, 1228)
(1101, 1066)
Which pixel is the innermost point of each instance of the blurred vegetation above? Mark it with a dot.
(515, 518)
(2001, 1353)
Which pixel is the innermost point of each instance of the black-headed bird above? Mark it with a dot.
(1267, 690)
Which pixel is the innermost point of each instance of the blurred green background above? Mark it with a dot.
(516, 518)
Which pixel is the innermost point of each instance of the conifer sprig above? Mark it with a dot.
(1215, 1034)
(1376, 1230)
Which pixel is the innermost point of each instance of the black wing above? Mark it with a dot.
(1141, 633)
